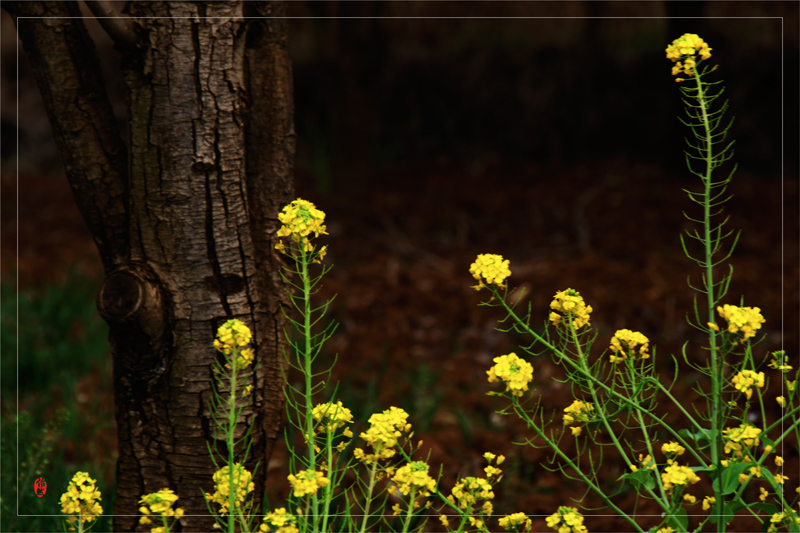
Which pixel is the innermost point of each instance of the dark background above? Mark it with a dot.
(430, 132)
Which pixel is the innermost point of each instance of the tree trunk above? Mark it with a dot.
(186, 230)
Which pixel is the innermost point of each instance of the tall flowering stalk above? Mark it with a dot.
(326, 425)
(616, 395)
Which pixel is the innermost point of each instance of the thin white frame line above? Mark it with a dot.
(781, 18)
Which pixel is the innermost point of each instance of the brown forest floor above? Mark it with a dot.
(410, 326)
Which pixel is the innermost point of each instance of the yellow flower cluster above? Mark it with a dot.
(672, 448)
(578, 412)
(232, 337)
(742, 319)
(788, 518)
(675, 474)
(159, 503)
(81, 500)
(625, 341)
(300, 219)
(566, 520)
(279, 521)
(646, 462)
(490, 268)
(383, 434)
(332, 416)
(414, 476)
(517, 519)
(780, 362)
(307, 482)
(746, 435)
(516, 373)
(469, 490)
(570, 303)
(242, 486)
(684, 48)
(746, 379)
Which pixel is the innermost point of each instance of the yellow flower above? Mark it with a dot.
(779, 478)
(744, 380)
(242, 486)
(516, 373)
(331, 416)
(570, 303)
(742, 319)
(467, 491)
(307, 482)
(81, 499)
(708, 502)
(514, 520)
(282, 521)
(625, 341)
(781, 401)
(684, 49)
(444, 520)
(579, 411)
(778, 460)
(688, 498)
(678, 475)
(232, 337)
(576, 431)
(779, 362)
(383, 434)
(763, 495)
(414, 476)
(666, 529)
(490, 268)
(300, 219)
(158, 503)
(745, 435)
(672, 447)
(566, 520)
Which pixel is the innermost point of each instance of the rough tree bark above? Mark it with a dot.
(184, 217)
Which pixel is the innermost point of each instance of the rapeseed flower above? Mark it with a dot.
(158, 503)
(708, 502)
(467, 491)
(414, 476)
(232, 337)
(300, 219)
(744, 436)
(512, 521)
(779, 362)
(744, 380)
(516, 373)
(566, 520)
(242, 486)
(332, 416)
(675, 474)
(744, 320)
(279, 521)
(682, 52)
(625, 341)
(491, 269)
(570, 303)
(383, 434)
(672, 448)
(307, 482)
(81, 500)
(578, 412)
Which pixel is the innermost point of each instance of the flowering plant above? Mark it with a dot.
(617, 396)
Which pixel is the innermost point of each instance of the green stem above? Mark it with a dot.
(716, 357)
(370, 496)
(571, 464)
